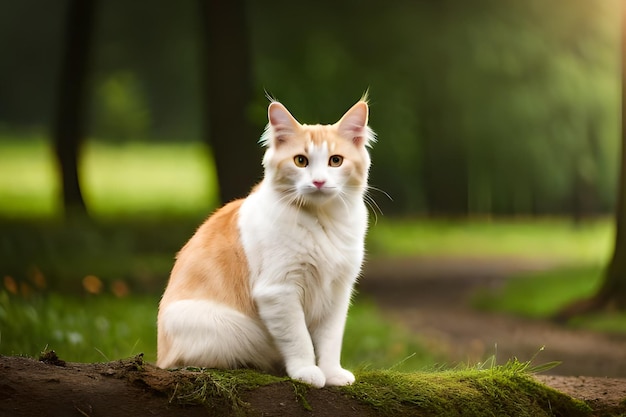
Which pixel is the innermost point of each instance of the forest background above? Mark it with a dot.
(488, 107)
(498, 125)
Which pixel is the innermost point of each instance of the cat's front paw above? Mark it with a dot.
(311, 375)
(339, 377)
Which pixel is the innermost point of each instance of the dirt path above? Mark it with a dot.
(431, 296)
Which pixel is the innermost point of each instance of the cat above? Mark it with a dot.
(266, 281)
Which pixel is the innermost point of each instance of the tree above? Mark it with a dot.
(69, 124)
(612, 292)
(228, 95)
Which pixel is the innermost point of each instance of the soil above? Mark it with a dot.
(429, 295)
(131, 387)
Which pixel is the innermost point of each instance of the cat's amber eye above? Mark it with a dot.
(335, 161)
(301, 161)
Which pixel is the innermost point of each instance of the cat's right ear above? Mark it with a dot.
(283, 124)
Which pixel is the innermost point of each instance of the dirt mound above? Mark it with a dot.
(606, 396)
(133, 387)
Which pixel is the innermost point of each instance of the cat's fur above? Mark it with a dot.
(266, 281)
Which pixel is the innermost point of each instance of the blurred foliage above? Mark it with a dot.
(139, 251)
(122, 114)
(489, 106)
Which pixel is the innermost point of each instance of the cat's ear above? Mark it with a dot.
(283, 124)
(353, 125)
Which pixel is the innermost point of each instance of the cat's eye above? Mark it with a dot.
(301, 161)
(335, 161)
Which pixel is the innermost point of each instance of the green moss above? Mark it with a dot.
(500, 390)
(497, 391)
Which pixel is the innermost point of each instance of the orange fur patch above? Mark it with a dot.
(213, 265)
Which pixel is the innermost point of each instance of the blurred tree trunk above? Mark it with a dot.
(613, 290)
(228, 95)
(69, 124)
(445, 164)
(612, 293)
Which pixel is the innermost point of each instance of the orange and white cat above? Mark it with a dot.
(266, 281)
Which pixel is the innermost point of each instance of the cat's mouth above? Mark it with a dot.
(325, 189)
(318, 194)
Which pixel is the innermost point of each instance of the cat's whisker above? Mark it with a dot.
(369, 200)
(370, 187)
(343, 199)
(373, 206)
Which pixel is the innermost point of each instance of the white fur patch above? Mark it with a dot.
(205, 333)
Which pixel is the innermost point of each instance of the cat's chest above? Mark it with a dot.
(289, 242)
(323, 245)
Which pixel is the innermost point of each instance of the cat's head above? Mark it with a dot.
(313, 164)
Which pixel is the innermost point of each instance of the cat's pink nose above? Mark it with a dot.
(319, 184)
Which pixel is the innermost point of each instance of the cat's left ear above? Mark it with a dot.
(353, 125)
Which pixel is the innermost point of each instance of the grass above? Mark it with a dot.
(540, 295)
(557, 239)
(102, 327)
(87, 329)
(372, 342)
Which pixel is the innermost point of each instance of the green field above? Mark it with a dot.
(557, 239)
(134, 179)
(146, 200)
(541, 295)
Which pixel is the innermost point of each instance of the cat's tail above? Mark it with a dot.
(208, 334)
